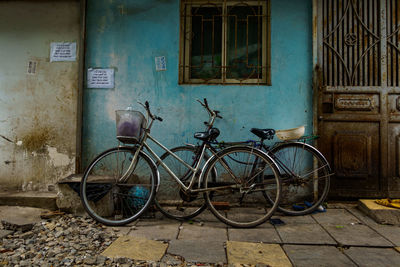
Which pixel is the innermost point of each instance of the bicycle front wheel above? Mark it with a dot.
(114, 189)
(305, 177)
(245, 175)
(171, 199)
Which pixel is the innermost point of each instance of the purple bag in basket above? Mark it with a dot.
(130, 125)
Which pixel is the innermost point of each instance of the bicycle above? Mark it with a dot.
(120, 184)
(304, 171)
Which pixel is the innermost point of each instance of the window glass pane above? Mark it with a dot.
(244, 43)
(205, 60)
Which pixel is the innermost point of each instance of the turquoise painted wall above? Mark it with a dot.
(127, 35)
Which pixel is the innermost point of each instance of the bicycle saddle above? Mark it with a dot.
(207, 136)
(263, 133)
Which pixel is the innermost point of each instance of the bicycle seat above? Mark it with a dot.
(263, 133)
(211, 134)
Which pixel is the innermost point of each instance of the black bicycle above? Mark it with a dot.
(304, 171)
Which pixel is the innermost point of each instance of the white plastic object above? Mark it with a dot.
(290, 134)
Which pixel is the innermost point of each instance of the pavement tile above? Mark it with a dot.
(151, 222)
(356, 235)
(306, 256)
(304, 234)
(365, 219)
(306, 219)
(203, 251)
(245, 215)
(120, 230)
(196, 232)
(256, 253)
(390, 232)
(208, 219)
(373, 256)
(20, 218)
(264, 235)
(162, 231)
(336, 217)
(381, 214)
(136, 248)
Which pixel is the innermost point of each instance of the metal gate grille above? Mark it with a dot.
(351, 42)
(393, 49)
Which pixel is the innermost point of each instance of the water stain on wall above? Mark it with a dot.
(37, 139)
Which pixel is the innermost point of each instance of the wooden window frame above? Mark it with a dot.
(185, 43)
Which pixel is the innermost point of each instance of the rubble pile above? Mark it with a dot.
(63, 241)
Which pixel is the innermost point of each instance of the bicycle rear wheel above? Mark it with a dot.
(110, 200)
(170, 199)
(245, 176)
(305, 177)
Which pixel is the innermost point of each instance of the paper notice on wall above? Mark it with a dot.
(161, 63)
(100, 78)
(62, 52)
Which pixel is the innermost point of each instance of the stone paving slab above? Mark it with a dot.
(303, 255)
(163, 232)
(381, 214)
(198, 250)
(120, 230)
(245, 215)
(365, 219)
(256, 253)
(336, 217)
(196, 232)
(306, 219)
(304, 234)
(208, 219)
(357, 235)
(151, 222)
(136, 248)
(265, 235)
(373, 256)
(20, 218)
(390, 232)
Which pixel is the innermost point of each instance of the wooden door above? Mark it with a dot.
(358, 94)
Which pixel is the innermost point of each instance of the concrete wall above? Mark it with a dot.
(127, 35)
(37, 111)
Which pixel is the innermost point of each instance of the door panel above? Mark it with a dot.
(353, 150)
(358, 95)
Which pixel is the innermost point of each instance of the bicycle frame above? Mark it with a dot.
(195, 169)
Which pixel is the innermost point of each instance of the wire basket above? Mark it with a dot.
(130, 126)
(290, 134)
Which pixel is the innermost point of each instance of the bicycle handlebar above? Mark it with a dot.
(213, 113)
(146, 105)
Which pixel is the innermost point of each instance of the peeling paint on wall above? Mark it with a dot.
(58, 159)
(37, 112)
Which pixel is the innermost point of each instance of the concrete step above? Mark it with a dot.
(44, 200)
(381, 214)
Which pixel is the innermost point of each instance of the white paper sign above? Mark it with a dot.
(161, 63)
(62, 52)
(100, 78)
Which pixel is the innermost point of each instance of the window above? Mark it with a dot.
(224, 42)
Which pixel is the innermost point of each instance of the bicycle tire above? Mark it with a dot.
(238, 194)
(112, 202)
(170, 200)
(303, 163)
